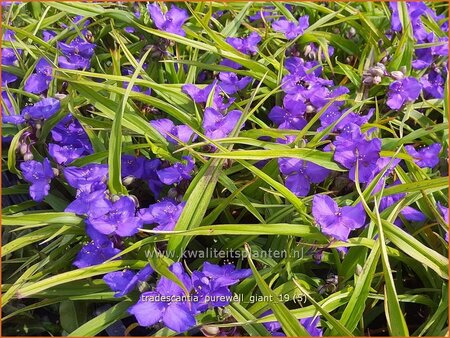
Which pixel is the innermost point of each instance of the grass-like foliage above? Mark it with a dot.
(209, 168)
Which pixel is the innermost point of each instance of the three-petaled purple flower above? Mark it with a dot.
(97, 251)
(77, 54)
(310, 324)
(289, 117)
(247, 45)
(91, 201)
(42, 110)
(167, 303)
(403, 91)
(120, 219)
(171, 22)
(177, 172)
(335, 221)
(168, 129)
(230, 83)
(427, 157)
(353, 149)
(123, 282)
(218, 126)
(40, 80)
(39, 175)
(165, 214)
(291, 29)
(201, 95)
(300, 174)
(211, 284)
(70, 141)
(84, 177)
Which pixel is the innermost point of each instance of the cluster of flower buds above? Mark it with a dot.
(398, 74)
(374, 75)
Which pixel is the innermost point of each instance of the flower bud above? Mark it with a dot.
(114, 198)
(128, 180)
(397, 75)
(403, 69)
(210, 331)
(376, 80)
(55, 171)
(368, 80)
(28, 157)
(351, 33)
(307, 49)
(60, 96)
(23, 148)
(358, 270)
(377, 71)
(310, 109)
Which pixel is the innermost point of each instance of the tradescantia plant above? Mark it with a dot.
(214, 168)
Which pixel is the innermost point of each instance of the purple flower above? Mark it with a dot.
(409, 213)
(65, 154)
(8, 78)
(290, 117)
(300, 174)
(40, 80)
(402, 91)
(218, 126)
(352, 148)
(225, 275)
(77, 54)
(197, 94)
(335, 221)
(95, 253)
(165, 214)
(310, 325)
(247, 45)
(201, 95)
(39, 175)
(120, 219)
(84, 177)
(42, 110)
(132, 166)
(171, 22)
(415, 11)
(259, 15)
(128, 70)
(47, 35)
(91, 201)
(433, 84)
(209, 293)
(123, 282)
(177, 172)
(70, 132)
(9, 58)
(9, 115)
(444, 212)
(168, 129)
(291, 29)
(230, 63)
(230, 82)
(332, 114)
(151, 176)
(70, 141)
(425, 157)
(167, 303)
